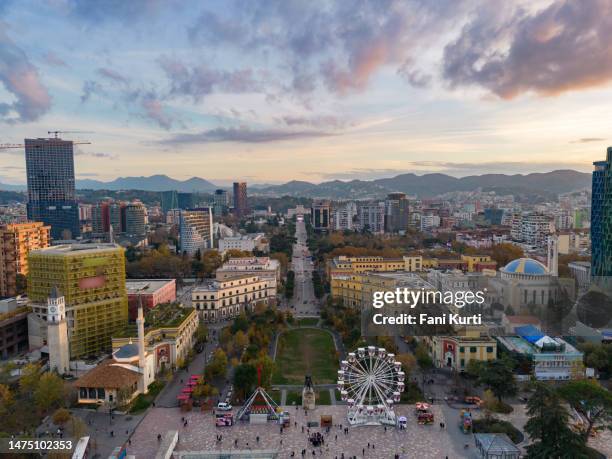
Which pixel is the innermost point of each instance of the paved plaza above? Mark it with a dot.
(200, 435)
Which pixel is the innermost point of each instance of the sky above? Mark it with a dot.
(272, 91)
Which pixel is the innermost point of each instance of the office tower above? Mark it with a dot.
(51, 193)
(344, 215)
(135, 219)
(601, 222)
(196, 230)
(241, 207)
(91, 277)
(185, 200)
(57, 333)
(320, 214)
(372, 217)
(221, 202)
(169, 200)
(16, 241)
(100, 218)
(116, 215)
(397, 216)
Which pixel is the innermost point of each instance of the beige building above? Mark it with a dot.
(456, 352)
(264, 267)
(16, 241)
(224, 299)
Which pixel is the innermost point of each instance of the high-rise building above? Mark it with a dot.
(135, 219)
(169, 200)
(344, 215)
(196, 230)
(16, 241)
(91, 277)
(185, 200)
(241, 205)
(100, 218)
(51, 192)
(601, 222)
(397, 216)
(221, 202)
(372, 217)
(321, 215)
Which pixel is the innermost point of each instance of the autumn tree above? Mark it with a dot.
(28, 381)
(504, 253)
(61, 416)
(49, 391)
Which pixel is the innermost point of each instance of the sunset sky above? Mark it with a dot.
(269, 91)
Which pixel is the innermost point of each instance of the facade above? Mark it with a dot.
(264, 267)
(372, 217)
(185, 200)
(601, 222)
(221, 202)
(13, 327)
(456, 352)
(532, 228)
(51, 186)
(397, 213)
(321, 216)
(344, 216)
(16, 241)
(169, 200)
(224, 299)
(168, 339)
(241, 203)
(196, 230)
(581, 271)
(57, 333)
(91, 277)
(149, 293)
(245, 242)
(136, 219)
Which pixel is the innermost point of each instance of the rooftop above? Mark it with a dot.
(108, 375)
(146, 285)
(166, 315)
(71, 249)
(525, 266)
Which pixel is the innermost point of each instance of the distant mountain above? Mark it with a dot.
(5, 187)
(152, 183)
(542, 185)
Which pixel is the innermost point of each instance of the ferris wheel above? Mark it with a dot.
(371, 381)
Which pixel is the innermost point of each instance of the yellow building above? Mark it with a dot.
(478, 263)
(223, 299)
(456, 352)
(169, 334)
(91, 277)
(16, 241)
(363, 264)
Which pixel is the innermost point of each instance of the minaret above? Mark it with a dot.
(57, 333)
(142, 364)
(553, 255)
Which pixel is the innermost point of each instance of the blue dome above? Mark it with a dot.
(126, 351)
(525, 266)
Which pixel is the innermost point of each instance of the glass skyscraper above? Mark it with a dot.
(601, 222)
(51, 186)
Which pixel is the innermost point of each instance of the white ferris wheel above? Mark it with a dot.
(371, 381)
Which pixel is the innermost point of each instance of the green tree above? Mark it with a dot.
(548, 427)
(245, 379)
(422, 357)
(201, 334)
(592, 401)
(61, 416)
(499, 377)
(7, 401)
(30, 374)
(49, 391)
(218, 365)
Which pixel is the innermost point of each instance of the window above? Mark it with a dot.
(461, 349)
(473, 349)
(462, 363)
(489, 349)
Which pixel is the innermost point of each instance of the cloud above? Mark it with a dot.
(112, 75)
(588, 140)
(197, 81)
(91, 87)
(21, 78)
(154, 110)
(241, 135)
(54, 60)
(566, 46)
(80, 152)
(97, 12)
(318, 121)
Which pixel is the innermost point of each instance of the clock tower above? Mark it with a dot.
(57, 333)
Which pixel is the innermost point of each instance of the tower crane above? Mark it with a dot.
(6, 146)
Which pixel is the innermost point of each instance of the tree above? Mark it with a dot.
(498, 376)
(548, 427)
(505, 253)
(201, 334)
(422, 357)
(28, 381)
(241, 340)
(61, 416)
(7, 400)
(49, 392)
(408, 362)
(21, 284)
(245, 379)
(218, 365)
(591, 400)
(211, 261)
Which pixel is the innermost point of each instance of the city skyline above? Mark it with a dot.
(307, 91)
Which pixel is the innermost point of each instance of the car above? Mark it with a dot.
(223, 406)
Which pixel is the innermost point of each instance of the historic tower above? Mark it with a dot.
(143, 379)
(57, 333)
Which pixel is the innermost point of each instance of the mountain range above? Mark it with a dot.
(537, 184)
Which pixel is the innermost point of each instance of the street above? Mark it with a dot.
(304, 301)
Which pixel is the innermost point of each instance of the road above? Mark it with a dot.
(304, 302)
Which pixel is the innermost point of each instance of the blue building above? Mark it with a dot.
(601, 222)
(51, 186)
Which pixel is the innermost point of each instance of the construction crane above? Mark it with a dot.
(6, 146)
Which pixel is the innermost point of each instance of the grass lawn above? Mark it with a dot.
(294, 398)
(323, 398)
(308, 321)
(306, 351)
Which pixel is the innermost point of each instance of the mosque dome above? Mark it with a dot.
(527, 266)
